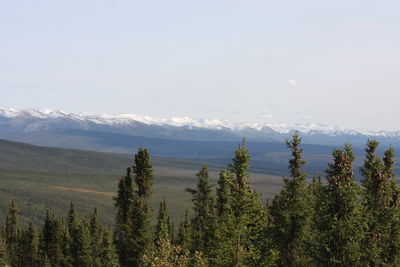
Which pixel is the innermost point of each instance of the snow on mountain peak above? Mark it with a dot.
(214, 124)
(8, 112)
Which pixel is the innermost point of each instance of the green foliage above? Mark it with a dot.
(380, 209)
(290, 211)
(223, 193)
(106, 253)
(203, 221)
(169, 255)
(316, 200)
(162, 226)
(54, 242)
(133, 231)
(42, 178)
(240, 166)
(184, 238)
(140, 227)
(392, 240)
(243, 223)
(143, 170)
(3, 252)
(340, 225)
(80, 249)
(123, 203)
(96, 232)
(12, 233)
(28, 246)
(320, 224)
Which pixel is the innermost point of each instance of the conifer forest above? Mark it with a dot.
(328, 220)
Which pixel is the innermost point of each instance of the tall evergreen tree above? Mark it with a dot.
(162, 226)
(392, 239)
(80, 239)
(107, 254)
(184, 238)
(72, 217)
(246, 222)
(203, 221)
(3, 251)
(376, 202)
(54, 242)
(12, 233)
(223, 193)
(96, 237)
(29, 245)
(380, 211)
(290, 211)
(340, 227)
(317, 197)
(143, 170)
(223, 242)
(140, 231)
(124, 202)
(172, 231)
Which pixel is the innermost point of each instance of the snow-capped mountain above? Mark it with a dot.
(23, 122)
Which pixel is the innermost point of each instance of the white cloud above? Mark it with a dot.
(292, 82)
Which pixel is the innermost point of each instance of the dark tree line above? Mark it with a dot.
(70, 242)
(327, 222)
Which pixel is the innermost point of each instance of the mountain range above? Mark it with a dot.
(26, 124)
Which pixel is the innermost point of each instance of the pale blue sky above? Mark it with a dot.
(326, 61)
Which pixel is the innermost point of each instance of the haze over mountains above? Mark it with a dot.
(30, 125)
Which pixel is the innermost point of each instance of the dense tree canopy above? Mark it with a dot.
(335, 221)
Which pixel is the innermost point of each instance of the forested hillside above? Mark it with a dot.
(331, 220)
(42, 178)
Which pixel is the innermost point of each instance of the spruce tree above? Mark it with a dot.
(317, 197)
(140, 230)
(80, 239)
(391, 240)
(184, 238)
(203, 221)
(162, 227)
(12, 233)
(223, 242)
(123, 203)
(3, 251)
(95, 237)
(107, 254)
(340, 226)
(167, 254)
(290, 211)
(244, 226)
(143, 171)
(381, 211)
(29, 245)
(223, 193)
(72, 217)
(54, 242)
(172, 231)
(376, 199)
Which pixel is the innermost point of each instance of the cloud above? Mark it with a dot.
(292, 82)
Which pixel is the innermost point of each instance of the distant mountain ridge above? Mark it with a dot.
(30, 120)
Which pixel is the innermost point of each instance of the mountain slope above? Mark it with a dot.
(183, 128)
(42, 178)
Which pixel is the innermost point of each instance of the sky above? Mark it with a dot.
(335, 62)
